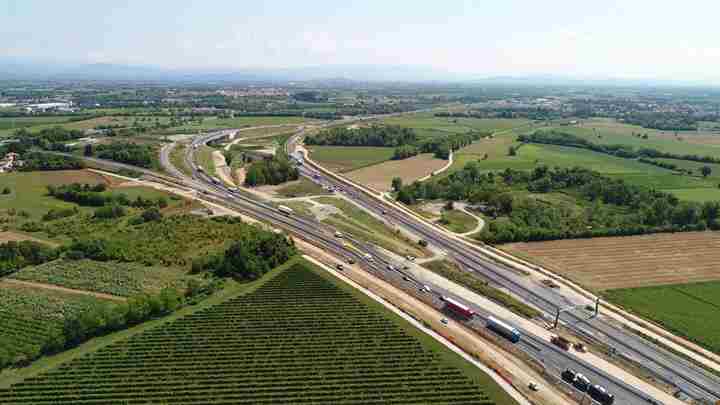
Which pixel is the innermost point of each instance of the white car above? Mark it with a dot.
(534, 386)
(444, 321)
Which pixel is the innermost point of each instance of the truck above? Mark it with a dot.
(285, 210)
(561, 342)
(458, 308)
(503, 329)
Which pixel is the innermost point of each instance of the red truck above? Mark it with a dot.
(458, 308)
(561, 342)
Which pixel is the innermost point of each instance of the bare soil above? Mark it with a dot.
(379, 177)
(631, 261)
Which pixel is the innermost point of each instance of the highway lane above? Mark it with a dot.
(674, 370)
(309, 229)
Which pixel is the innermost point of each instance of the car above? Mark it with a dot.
(444, 321)
(384, 212)
(600, 394)
(351, 261)
(568, 375)
(338, 234)
(534, 386)
(426, 288)
(410, 258)
(580, 347)
(405, 267)
(390, 267)
(581, 383)
(406, 278)
(339, 266)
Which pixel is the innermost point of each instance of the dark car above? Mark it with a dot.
(601, 395)
(581, 382)
(568, 375)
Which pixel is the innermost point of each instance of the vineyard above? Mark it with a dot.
(121, 279)
(28, 315)
(297, 339)
(173, 241)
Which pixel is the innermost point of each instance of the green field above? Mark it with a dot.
(359, 223)
(344, 349)
(301, 188)
(348, 158)
(28, 315)
(121, 279)
(29, 190)
(458, 221)
(428, 122)
(7, 123)
(530, 156)
(608, 131)
(690, 310)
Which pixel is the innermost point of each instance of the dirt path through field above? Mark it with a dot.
(221, 168)
(52, 287)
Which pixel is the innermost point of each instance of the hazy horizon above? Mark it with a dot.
(641, 40)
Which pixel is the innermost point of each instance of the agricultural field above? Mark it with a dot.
(347, 158)
(427, 123)
(631, 261)
(379, 176)
(29, 190)
(28, 315)
(209, 123)
(357, 222)
(609, 131)
(173, 241)
(115, 278)
(530, 156)
(690, 310)
(344, 349)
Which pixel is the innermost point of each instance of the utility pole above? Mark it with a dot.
(597, 306)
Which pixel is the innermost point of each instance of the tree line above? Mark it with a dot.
(250, 257)
(16, 255)
(374, 135)
(404, 140)
(606, 206)
(125, 152)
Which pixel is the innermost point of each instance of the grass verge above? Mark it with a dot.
(450, 271)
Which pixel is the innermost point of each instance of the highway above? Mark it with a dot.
(321, 235)
(670, 368)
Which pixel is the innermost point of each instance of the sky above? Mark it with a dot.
(650, 39)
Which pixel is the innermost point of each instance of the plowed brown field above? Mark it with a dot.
(631, 261)
(379, 176)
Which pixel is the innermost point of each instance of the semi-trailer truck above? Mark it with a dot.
(458, 308)
(503, 329)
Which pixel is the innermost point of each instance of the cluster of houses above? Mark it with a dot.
(10, 162)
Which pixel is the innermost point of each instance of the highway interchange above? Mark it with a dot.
(690, 379)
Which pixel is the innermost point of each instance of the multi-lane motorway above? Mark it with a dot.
(674, 370)
(319, 234)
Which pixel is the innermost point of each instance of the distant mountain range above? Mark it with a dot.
(16, 69)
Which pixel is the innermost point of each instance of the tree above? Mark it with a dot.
(88, 151)
(152, 214)
(512, 151)
(397, 183)
(6, 190)
(706, 171)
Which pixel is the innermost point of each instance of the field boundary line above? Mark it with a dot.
(53, 287)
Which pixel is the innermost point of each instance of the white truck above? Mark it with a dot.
(285, 210)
